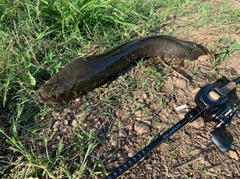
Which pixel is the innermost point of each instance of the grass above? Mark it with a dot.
(36, 39)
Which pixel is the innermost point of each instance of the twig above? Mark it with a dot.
(166, 65)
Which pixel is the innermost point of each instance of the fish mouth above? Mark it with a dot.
(45, 100)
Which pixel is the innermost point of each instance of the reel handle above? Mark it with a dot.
(220, 143)
(226, 119)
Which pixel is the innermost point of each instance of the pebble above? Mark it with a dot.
(141, 100)
(77, 100)
(233, 155)
(114, 143)
(55, 114)
(56, 124)
(120, 156)
(65, 122)
(138, 113)
(144, 96)
(131, 153)
(141, 127)
(74, 123)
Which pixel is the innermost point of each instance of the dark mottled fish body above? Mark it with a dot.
(84, 73)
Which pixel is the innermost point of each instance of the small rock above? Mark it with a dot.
(74, 123)
(144, 96)
(198, 123)
(55, 115)
(138, 113)
(233, 155)
(77, 100)
(65, 122)
(141, 127)
(56, 124)
(141, 100)
(123, 133)
(120, 156)
(131, 153)
(114, 143)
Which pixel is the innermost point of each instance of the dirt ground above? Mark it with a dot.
(130, 122)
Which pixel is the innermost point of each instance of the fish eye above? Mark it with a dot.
(58, 95)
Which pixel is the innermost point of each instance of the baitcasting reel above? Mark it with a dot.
(215, 106)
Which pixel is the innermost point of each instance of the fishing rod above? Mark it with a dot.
(212, 104)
